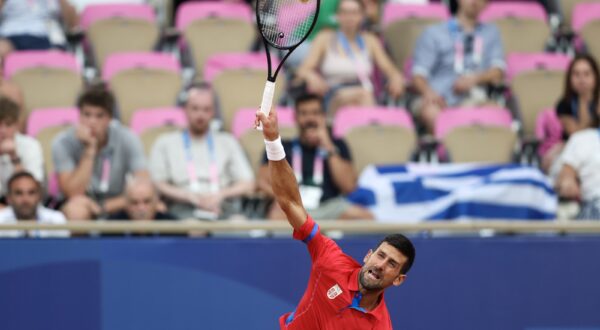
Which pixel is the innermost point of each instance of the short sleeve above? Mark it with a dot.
(576, 151)
(425, 53)
(496, 50)
(62, 156)
(320, 247)
(159, 160)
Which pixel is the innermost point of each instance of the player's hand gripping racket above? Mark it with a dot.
(284, 25)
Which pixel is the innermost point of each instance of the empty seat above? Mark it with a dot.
(586, 23)
(115, 28)
(523, 25)
(142, 81)
(47, 79)
(215, 27)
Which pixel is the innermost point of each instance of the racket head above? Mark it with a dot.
(285, 24)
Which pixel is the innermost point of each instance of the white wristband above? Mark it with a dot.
(275, 149)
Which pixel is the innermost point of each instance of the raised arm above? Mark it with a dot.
(283, 180)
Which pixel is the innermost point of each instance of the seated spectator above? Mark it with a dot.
(143, 203)
(579, 176)
(322, 164)
(18, 152)
(454, 60)
(24, 200)
(34, 24)
(93, 159)
(578, 107)
(341, 63)
(202, 174)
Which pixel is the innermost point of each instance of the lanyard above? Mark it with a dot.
(105, 175)
(361, 69)
(459, 48)
(318, 164)
(213, 169)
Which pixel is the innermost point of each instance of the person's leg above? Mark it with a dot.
(428, 113)
(80, 208)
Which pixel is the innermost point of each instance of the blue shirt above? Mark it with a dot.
(434, 56)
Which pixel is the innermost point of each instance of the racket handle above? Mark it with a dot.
(267, 100)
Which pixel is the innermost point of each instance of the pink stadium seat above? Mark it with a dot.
(220, 62)
(149, 118)
(584, 13)
(124, 61)
(350, 117)
(517, 63)
(244, 120)
(397, 11)
(17, 61)
(94, 13)
(191, 11)
(457, 117)
(43, 118)
(499, 10)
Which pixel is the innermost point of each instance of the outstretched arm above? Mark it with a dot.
(283, 179)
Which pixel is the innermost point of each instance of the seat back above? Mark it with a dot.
(350, 117)
(481, 144)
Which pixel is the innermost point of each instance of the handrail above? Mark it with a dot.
(353, 227)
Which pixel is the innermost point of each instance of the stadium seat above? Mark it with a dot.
(476, 134)
(252, 140)
(513, 18)
(566, 9)
(45, 125)
(215, 27)
(536, 82)
(142, 81)
(116, 28)
(46, 78)
(586, 23)
(149, 124)
(238, 81)
(403, 24)
(376, 135)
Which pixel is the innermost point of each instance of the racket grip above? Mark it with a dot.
(267, 100)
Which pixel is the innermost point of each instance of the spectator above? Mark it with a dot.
(454, 60)
(24, 197)
(8, 89)
(33, 24)
(340, 63)
(578, 107)
(579, 176)
(94, 158)
(202, 173)
(18, 152)
(322, 164)
(143, 203)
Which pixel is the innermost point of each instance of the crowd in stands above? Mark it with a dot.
(103, 168)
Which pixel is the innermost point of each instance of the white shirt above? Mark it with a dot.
(31, 17)
(582, 152)
(32, 159)
(45, 216)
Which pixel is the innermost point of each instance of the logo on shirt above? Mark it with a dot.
(334, 291)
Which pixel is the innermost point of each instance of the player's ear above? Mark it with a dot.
(368, 255)
(399, 280)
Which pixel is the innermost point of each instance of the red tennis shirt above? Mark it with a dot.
(332, 298)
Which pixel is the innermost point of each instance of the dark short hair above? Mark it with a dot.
(404, 246)
(307, 97)
(9, 111)
(20, 175)
(98, 96)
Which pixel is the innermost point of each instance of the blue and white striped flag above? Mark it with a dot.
(417, 192)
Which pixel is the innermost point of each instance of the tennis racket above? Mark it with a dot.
(283, 25)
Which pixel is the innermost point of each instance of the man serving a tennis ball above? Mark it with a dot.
(340, 294)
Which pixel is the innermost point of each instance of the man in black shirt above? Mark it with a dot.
(322, 165)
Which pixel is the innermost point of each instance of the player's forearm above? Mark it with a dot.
(287, 194)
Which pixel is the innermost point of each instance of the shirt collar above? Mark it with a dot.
(380, 310)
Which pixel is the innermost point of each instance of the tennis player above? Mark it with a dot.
(341, 294)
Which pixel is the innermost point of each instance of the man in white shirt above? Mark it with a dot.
(579, 177)
(202, 173)
(24, 196)
(17, 152)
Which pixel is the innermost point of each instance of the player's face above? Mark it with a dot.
(96, 119)
(310, 118)
(24, 197)
(382, 268)
(199, 110)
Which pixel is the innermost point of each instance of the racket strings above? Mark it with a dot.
(285, 23)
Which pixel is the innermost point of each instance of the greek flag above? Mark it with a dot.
(418, 192)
